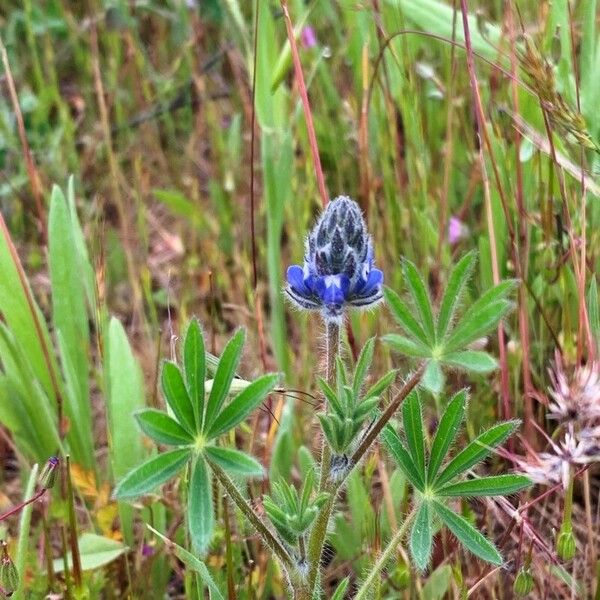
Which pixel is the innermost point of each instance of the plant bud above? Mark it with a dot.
(523, 582)
(9, 577)
(565, 543)
(49, 473)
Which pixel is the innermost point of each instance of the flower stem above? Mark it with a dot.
(269, 538)
(366, 588)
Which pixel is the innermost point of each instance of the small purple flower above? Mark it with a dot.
(338, 268)
(457, 230)
(309, 39)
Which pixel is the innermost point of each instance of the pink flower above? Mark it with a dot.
(457, 230)
(309, 39)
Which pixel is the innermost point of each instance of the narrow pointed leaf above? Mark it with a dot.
(201, 516)
(194, 362)
(362, 366)
(421, 537)
(228, 364)
(454, 290)
(496, 485)
(402, 457)
(235, 462)
(162, 428)
(242, 405)
(380, 386)
(413, 430)
(403, 316)
(152, 473)
(420, 295)
(471, 360)
(476, 451)
(330, 396)
(446, 432)
(476, 324)
(193, 563)
(340, 591)
(468, 536)
(177, 396)
(407, 346)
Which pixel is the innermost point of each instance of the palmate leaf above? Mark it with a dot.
(496, 485)
(152, 473)
(201, 516)
(234, 462)
(162, 428)
(454, 290)
(446, 432)
(420, 296)
(194, 362)
(421, 537)
(242, 405)
(481, 447)
(407, 346)
(177, 396)
(467, 535)
(228, 364)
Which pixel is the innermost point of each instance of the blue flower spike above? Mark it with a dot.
(338, 270)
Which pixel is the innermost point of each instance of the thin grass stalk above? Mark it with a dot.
(73, 542)
(24, 526)
(365, 590)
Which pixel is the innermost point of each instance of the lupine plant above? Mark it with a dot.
(338, 274)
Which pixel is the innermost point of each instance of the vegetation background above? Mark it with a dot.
(148, 106)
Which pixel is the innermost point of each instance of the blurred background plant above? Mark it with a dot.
(150, 106)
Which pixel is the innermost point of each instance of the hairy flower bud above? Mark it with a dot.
(9, 577)
(338, 266)
(565, 542)
(523, 582)
(48, 475)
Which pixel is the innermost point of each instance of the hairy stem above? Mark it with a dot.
(366, 588)
(268, 537)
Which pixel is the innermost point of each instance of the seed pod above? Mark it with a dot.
(523, 582)
(9, 577)
(565, 543)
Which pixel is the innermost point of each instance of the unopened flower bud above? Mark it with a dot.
(50, 471)
(565, 542)
(9, 577)
(523, 582)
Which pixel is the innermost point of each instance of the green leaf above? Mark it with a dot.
(412, 421)
(468, 536)
(235, 462)
(471, 360)
(162, 428)
(420, 295)
(152, 473)
(446, 432)
(242, 405)
(433, 378)
(330, 396)
(476, 324)
(403, 316)
(193, 563)
(477, 450)
(201, 518)
(340, 590)
(194, 363)
(362, 366)
(177, 396)
(421, 537)
(496, 485)
(225, 372)
(438, 583)
(95, 551)
(402, 457)
(380, 386)
(406, 346)
(453, 293)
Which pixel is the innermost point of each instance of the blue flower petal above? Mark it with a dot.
(295, 278)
